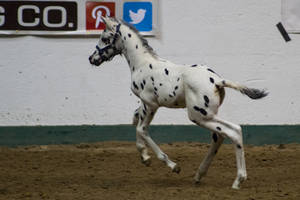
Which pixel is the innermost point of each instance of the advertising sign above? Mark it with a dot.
(139, 14)
(94, 11)
(34, 15)
(74, 17)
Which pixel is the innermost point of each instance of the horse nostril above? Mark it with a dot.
(90, 59)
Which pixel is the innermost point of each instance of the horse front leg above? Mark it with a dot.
(140, 142)
(146, 114)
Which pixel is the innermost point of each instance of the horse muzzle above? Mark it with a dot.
(94, 61)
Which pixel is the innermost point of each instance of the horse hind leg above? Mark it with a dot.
(216, 142)
(234, 133)
(237, 139)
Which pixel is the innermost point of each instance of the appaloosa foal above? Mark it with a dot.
(158, 82)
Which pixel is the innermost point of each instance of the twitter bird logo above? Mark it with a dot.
(139, 14)
(137, 17)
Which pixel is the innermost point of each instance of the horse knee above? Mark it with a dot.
(236, 139)
(141, 130)
(140, 146)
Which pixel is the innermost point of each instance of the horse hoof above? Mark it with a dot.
(176, 169)
(146, 162)
(197, 181)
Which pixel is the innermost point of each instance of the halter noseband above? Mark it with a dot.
(110, 46)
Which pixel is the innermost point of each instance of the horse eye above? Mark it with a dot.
(105, 40)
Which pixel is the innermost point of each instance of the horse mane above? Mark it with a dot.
(143, 40)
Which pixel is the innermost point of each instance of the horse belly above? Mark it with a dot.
(172, 98)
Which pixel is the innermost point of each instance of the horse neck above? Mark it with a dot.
(135, 53)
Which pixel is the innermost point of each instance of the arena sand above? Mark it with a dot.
(113, 171)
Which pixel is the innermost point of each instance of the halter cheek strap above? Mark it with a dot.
(101, 50)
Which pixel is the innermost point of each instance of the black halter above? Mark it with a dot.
(110, 46)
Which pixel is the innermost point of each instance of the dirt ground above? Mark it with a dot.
(113, 171)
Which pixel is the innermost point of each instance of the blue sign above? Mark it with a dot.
(139, 14)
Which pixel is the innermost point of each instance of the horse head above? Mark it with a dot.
(109, 44)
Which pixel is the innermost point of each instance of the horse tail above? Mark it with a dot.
(250, 92)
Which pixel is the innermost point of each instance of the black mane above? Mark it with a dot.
(143, 40)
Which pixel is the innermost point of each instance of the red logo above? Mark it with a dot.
(94, 11)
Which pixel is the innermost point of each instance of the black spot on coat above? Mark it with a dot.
(196, 108)
(201, 110)
(135, 85)
(166, 71)
(215, 137)
(194, 65)
(212, 71)
(129, 35)
(212, 80)
(150, 66)
(206, 99)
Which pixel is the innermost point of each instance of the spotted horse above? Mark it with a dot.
(159, 82)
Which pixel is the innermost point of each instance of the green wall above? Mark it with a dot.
(42, 135)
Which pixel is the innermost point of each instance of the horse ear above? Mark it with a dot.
(107, 22)
(104, 19)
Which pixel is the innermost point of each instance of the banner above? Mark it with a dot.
(290, 10)
(74, 17)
